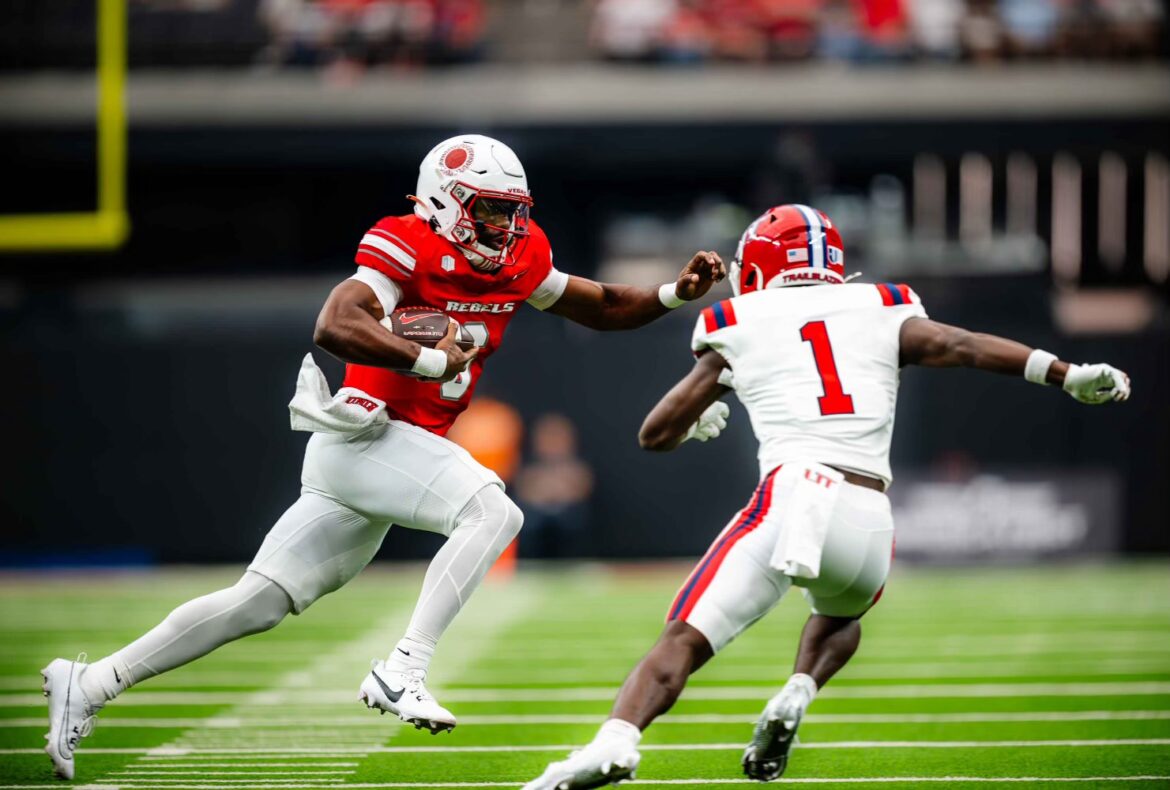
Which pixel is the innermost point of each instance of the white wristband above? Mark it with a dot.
(1036, 368)
(431, 363)
(668, 295)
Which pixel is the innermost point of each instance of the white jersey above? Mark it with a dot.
(817, 369)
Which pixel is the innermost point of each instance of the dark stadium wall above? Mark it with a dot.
(171, 435)
(177, 441)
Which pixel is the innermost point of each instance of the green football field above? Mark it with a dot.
(1043, 676)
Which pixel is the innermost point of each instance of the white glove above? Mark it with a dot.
(710, 423)
(1096, 383)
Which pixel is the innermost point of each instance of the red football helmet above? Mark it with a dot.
(788, 245)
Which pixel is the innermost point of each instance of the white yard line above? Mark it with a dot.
(329, 723)
(295, 697)
(132, 773)
(678, 747)
(642, 782)
(902, 671)
(291, 752)
(172, 763)
(247, 681)
(701, 692)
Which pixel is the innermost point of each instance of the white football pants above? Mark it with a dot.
(353, 489)
(734, 584)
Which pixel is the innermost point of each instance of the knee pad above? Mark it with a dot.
(262, 603)
(493, 508)
(514, 519)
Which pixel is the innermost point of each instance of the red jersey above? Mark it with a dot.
(432, 272)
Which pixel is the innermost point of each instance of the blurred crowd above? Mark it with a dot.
(347, 36)
(354, 34)
(860, 31)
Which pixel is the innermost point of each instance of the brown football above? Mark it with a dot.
(426, 326)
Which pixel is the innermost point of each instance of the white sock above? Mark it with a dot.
(620, 729)
(483, 529)
(413, 651)
(805, 685)
(103, 680)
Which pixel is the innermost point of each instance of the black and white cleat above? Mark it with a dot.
(766, 756)
(405, 695)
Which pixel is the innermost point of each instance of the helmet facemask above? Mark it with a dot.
(492, 226)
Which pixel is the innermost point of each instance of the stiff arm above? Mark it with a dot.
(607, 306)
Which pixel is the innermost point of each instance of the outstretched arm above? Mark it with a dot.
(605, 306)
(682, 412)
(934, 345)
(348, 329)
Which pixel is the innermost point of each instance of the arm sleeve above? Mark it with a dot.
(385, 248)
(549, 290)
(389, 293)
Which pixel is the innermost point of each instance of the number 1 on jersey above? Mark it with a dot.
(834, 401)
(456, 387)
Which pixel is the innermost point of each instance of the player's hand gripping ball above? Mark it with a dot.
(427, 326)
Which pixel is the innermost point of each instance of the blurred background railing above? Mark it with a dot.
(1009, 159)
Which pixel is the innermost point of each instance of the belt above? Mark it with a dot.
(865, 481)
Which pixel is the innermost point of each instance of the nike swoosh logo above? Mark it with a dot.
(393, 695)
(116, 678)
(403, 652)
(411, 319)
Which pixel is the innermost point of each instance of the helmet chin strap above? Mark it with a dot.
(480, 263)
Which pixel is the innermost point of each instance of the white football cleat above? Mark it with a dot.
(71, 714)
(405, 695)
(603, 762)
(766, 757)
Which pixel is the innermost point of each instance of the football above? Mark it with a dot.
(426, 326)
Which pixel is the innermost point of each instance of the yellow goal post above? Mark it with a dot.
(108, 226)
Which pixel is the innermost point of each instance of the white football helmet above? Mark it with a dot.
(473, 192)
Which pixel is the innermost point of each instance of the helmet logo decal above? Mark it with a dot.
(791, 244)
(456, 159)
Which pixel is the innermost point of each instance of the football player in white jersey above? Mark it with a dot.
(815, 361)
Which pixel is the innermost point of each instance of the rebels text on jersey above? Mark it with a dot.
(817, 368)
(432, 272)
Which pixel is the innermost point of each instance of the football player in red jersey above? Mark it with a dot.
(377, 455)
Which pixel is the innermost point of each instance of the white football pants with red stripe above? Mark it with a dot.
(734, 584)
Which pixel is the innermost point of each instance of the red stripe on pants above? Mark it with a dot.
(700, 579)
